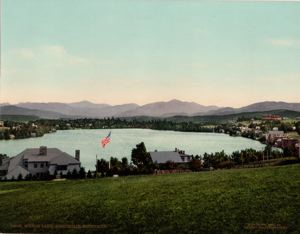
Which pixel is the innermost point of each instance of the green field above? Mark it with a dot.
(230, 201)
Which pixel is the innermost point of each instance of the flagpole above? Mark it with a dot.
(96, 163)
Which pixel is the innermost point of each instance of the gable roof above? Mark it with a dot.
(165, 156)
(64, 159)
(53, 156)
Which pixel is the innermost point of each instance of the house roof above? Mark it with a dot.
(53, 156)
(64, 159)
(15, 162)
(165, 156)
(5, 164)
(15, 172)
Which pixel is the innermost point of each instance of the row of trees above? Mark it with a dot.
(141, 162)
(22, 130)
(158, 124)
(243, 157)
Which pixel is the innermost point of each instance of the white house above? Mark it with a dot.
(272, 136)
(41, 162)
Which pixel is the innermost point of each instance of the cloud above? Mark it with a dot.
(283, 42)
(53, 50)
(52, 55)
(24, 53)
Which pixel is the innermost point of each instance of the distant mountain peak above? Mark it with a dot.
(173, 107)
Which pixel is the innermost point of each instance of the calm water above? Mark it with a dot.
(123, 140)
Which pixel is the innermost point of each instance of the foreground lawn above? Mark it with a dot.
(230, 201)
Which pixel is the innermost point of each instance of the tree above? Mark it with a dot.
(20, 177)
(268, 150)
(195, 164)
(124, 162)
(102, 166)
(55, 174)
(28, 177)
(141, 158)
(236, 157)
(89, 174)
(69, 175)
(298, 127)
(74, 174)
(124, 166)
(82, 173)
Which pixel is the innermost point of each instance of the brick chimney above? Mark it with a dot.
(77, 155)
(43, 150)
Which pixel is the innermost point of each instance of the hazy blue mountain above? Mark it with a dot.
(4, 104)
(266, 106)
(156, 109)
(83, 109)
(87, 104)
(170, 108)
(62, 108)
(256, 107)
(15, 110)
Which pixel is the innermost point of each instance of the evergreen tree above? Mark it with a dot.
(89, 174)
(102, 166)
(82, 173)
(69, 175)
(141, 158)
(74, 174)
(20, 177)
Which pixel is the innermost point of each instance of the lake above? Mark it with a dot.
(123, 140)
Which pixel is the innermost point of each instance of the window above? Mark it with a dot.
(35, 165)
(62, 167)
(42, 165)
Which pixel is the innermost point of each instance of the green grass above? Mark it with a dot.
(207, 202)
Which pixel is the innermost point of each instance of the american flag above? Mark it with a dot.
(105, 140)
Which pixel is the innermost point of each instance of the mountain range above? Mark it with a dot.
(54, 110)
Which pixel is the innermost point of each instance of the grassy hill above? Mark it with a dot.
(210, 202)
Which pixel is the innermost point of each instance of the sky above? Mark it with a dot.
(141, 51)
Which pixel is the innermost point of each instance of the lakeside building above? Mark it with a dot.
(272, 117)
(40, 162)
(176, 156)
(272, 136)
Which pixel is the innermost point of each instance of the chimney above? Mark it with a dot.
(77, 155)
(43, 150)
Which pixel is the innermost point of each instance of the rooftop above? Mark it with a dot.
(165, 156)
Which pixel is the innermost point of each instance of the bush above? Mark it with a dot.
(225, 164)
